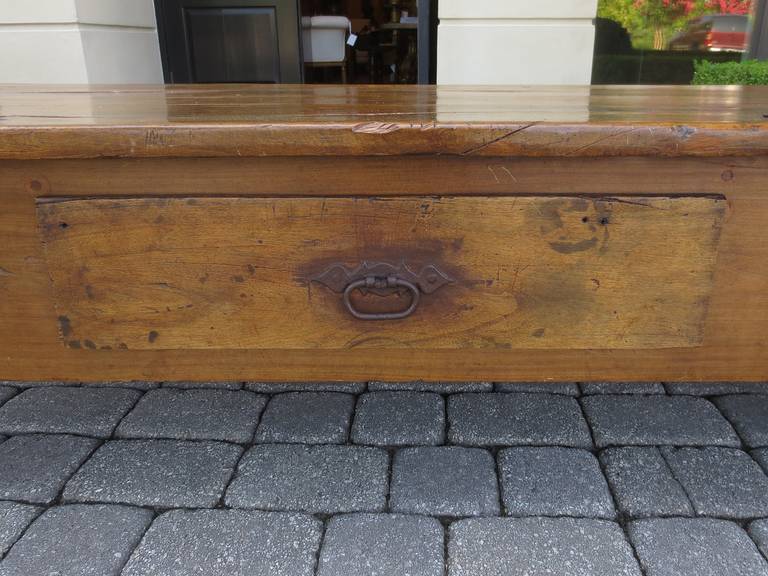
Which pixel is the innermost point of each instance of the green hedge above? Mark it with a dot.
(746, 72)
(651, 66)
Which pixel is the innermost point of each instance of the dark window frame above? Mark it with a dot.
(758, 47)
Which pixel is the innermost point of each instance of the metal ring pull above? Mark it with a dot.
(382, 279)
(390, 282)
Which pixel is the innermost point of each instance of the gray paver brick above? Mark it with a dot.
(14, 519)
(643, 483)
(162, 473)
(716, 388)
(399, 418)
(22, 384)
(227, 543)
(136, 384)
(749, 415)
(82, 540)
(382, 545)
(761, 455)
(516, 419)
(590, 388)
(539, 546)
(307, 417)
(758, 531)
(192, 385)
(566, 388)
(553, 482)
(326, 479)
(34, 468)
(657, 420)
(280, 387)
(695, 547)
(721, 482)
(444, 481)
(66, 410)
(438, 387)
(6, 393)
(194, 415)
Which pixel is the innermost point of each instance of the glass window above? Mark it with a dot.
(658, 41)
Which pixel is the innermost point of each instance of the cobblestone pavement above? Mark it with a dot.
(479, 479)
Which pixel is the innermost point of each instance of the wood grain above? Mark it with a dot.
(735, 341)
(256, 120)
(384, 176)
(527, 272)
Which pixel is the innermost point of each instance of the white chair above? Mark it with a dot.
(324, 39)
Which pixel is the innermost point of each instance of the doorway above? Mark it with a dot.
(240, 41)
(291, 41)
(389, 41)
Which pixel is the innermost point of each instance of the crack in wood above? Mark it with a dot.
(509, 134)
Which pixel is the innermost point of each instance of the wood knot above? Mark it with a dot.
(375, 128)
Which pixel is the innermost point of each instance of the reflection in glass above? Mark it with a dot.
(657, 41)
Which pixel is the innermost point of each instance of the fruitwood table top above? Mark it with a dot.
(321, 120)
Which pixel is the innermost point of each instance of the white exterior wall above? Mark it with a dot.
(79, 41)
(515, 41)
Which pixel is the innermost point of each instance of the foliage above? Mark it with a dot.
(730, 6)
(652, 22)
(672, 10)
(746, 72)
(662, 15)
(664, 12)
(622, 11)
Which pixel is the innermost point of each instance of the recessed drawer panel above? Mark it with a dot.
(331, 273)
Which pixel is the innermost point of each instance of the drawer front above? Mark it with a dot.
(335, 273)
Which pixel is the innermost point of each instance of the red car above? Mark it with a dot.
(714, 33)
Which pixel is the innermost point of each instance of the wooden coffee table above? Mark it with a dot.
(399, 233)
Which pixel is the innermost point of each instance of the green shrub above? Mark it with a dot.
(745, 72)
(651, 66)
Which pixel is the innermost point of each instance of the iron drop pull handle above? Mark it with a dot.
(371, 282)
(383, 279)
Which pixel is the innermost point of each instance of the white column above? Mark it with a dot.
(515, 41)
(79, 41)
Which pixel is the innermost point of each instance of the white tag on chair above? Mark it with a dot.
(352, 39)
